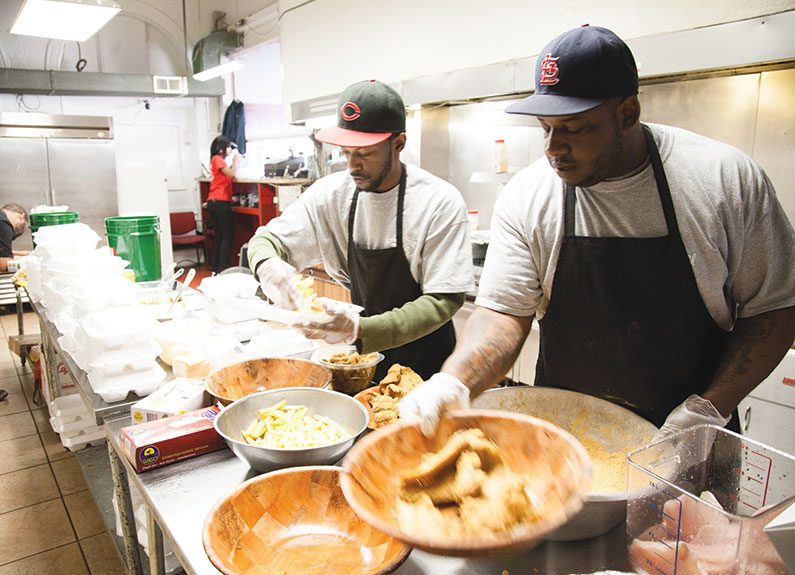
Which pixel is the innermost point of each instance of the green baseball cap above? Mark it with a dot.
(367, 113)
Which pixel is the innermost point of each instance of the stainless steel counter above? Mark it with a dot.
(180, 495)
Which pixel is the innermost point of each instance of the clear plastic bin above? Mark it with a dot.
(179, 332)
(159, 302)
(698, 503)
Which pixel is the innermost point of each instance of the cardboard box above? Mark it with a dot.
(157, 443)
(177, 396)
(17, 342)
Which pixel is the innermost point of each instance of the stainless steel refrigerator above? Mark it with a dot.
(59, 160)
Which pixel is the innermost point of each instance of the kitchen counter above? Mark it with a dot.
(180, 495)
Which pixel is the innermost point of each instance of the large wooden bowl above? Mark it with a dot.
(527, 444)
(593, 421)
(241, 379)
(295, 521)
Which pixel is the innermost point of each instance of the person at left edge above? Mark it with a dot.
(219, 200)
(394, 234)
(13, 222)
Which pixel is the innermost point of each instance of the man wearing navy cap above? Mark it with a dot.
(658, 262)
(395, 235)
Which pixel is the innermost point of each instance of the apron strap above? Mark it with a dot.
(571, 201)
(662, 183)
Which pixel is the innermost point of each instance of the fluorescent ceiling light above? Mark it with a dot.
(220, 70)
(63, 19)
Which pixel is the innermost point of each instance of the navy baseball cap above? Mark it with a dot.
(578, 71)
(367, 113)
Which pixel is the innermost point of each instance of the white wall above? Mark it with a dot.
(344, 42)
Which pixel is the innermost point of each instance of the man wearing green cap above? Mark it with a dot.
(394, 234)
(659, 263)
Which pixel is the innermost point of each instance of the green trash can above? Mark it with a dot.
(136, 239)
(50, 219)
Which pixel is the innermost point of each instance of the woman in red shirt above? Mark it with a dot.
(219, 201)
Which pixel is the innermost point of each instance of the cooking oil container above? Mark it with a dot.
(699, 502)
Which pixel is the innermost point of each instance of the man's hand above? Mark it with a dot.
(276, 278)
(341, 327)
(428, 401)
(694, 411)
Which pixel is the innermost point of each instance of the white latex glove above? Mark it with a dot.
(341, 327)
(428, 401)
(695, 410)
(276, 278)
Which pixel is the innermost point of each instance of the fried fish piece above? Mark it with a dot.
(385, 417)
(398, 381)
(467, 481)
(435, 463)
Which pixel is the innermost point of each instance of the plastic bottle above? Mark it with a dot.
(474, 219)
(500, 157)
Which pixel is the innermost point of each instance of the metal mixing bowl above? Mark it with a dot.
(344, 410)
(602, 511)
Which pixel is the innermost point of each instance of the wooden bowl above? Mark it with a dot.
(295, 521)
(241, 379)
(527, 444)
(592, 421)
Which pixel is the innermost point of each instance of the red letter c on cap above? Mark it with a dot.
(350, 111)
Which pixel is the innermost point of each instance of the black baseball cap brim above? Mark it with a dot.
(554, 105)
(345, 138)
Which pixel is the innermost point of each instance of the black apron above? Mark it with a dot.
(381, 280)
(626, 321)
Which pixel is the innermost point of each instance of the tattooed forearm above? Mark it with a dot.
(488, 347)
(756, 346)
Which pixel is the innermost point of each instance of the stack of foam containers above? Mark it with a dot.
(172, 564)
(92, 305)
(73, 423)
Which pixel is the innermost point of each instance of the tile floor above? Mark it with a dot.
(49, 523)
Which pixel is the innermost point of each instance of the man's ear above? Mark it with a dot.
(629, 112)
(400, 142)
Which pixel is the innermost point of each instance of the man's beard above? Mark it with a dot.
(379, 179)
(606, 161)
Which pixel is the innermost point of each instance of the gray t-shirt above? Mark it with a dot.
(740, 243)
(436, 241)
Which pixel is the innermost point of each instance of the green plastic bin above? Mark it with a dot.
(50, 219)
(136, 239)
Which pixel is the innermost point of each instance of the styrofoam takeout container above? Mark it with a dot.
(117, 327)
(142, 383)
(116, 362)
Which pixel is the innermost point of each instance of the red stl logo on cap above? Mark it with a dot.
(354, 112)
(549, 70)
